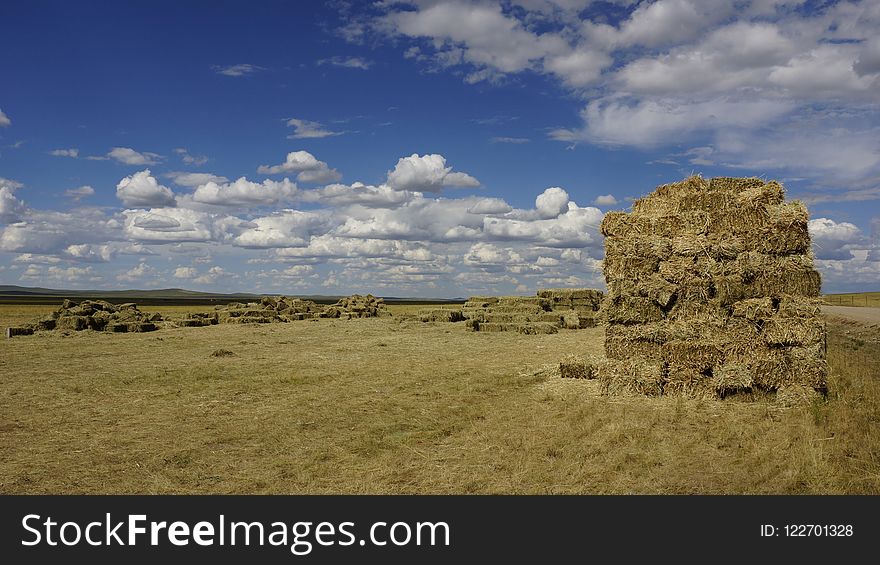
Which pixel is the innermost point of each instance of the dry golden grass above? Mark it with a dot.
(383, 406)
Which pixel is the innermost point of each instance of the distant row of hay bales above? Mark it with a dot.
(547, 312)
(103, 316)
(97, 315)
(357, 306)
(711, 292)
(267, 310)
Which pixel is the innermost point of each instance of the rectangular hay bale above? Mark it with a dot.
(634, 376)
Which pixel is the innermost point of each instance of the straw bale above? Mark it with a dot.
(75, 323)
(791, 306)
(621, 224)
(623, 348)
(511, 318)
(754, 275)
(740, 222)
(654, 287)
(696, 221)
(616, 267)
(771, 367)
(98, 320)
(571, 320)
(732, 378)
(587, 318)
(577, 367)
(13, 332)
(570, 293)
(47, 323)
(711, 312)
(689, 383)
(690, 244)
(636, 376)
(477, 314)
(700, 356)
(647, 246)
(754, 308)
(781, 331)
(624, 309)
(553, 317)
(808, 366)
(725, 248)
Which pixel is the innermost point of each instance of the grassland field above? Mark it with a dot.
(386, 405)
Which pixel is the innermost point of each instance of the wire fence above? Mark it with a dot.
(866, 299)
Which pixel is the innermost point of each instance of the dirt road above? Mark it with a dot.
(865, 315)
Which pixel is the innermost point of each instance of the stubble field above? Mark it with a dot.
(389, 406)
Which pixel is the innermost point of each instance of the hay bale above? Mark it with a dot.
(782, 331)
(635, 376)
(622, 348)
(47, 323)
(570, 293)
(74, 323)
(13, 332)
(622, 309)
(700, 356)
(754, 308)
(732, 378)
(577, 367)
(571, 320)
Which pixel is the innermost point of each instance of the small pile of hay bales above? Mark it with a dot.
(712, 292)
(578, 307)
(98, 315)
(357, 306)
(524, 314)
(440, 315)
(199, 319)
(550, 310)
(268, 309)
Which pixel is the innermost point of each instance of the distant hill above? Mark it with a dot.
(13, 294)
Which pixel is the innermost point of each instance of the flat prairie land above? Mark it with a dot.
(390, 406)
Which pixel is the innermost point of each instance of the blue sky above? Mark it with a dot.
(440, 148)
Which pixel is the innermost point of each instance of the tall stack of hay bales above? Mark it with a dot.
(712, 291)
(578, 307)
(357, 306)
(98, 315)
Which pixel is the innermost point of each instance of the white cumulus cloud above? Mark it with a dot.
(305, 165)
(142, 190)
(427, 173)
